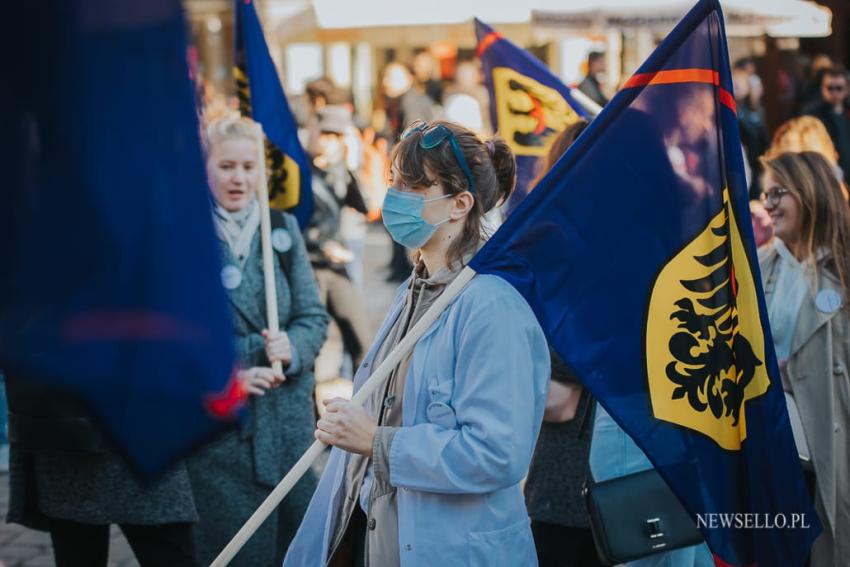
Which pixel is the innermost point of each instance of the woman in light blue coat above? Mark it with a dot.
(428, 473)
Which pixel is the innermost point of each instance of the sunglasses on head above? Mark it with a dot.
(433, 137)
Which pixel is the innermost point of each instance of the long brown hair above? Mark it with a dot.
(810, 179)
(560, 145)
(493, 173)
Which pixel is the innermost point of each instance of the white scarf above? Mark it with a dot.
(237, 228)
(793, 280)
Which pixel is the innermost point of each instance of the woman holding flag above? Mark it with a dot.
(428, 473)
(231, 476)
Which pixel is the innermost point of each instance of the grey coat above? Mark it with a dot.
(231, 477)
(97, 488)
(817, 371)
(559, 465)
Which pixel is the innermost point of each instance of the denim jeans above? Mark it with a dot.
(613, 454)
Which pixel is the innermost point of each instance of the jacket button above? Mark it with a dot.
(408, 547)
(838, 368)
(365, 365)
(372, 523)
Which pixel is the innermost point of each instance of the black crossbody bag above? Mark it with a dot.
(636, 515)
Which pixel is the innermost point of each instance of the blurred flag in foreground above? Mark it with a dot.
(637, 254)
(261, 97)
(111, 283)
(529, 105)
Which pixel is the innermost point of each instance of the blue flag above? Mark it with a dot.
(261, 97)
(111, 284)
(529, 105)
(636, 253)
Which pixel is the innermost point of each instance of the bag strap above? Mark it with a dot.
(588, 481)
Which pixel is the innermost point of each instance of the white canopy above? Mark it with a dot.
(332, 14)
(778, 18)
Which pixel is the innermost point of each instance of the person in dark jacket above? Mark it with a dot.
(66, 478)
(753, 131)
(335, 187)
(832, 111)
(591, 85)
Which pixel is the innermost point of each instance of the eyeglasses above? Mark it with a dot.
(771, 198)
(436, 135)
(835, 88)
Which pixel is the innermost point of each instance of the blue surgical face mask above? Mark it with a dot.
(402, 212)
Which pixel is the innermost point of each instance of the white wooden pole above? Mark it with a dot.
(266, 239)
(375, 380)
(588, 103)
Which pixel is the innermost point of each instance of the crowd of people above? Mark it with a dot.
(432, 467)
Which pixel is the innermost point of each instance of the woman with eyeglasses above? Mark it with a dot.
(429, 472)
(806, 274)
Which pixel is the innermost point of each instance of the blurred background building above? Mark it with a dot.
(353, 42)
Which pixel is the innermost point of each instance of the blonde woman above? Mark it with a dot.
(803, 134)
(233, 475)
(806, 273)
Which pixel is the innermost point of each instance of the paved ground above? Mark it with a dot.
(20, 547)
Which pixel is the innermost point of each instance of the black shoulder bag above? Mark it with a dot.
(636, 515)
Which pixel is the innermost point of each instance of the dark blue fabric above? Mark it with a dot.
(586, 247)
(4, 414)
(111, 286)
(503, 53)
(268, 102)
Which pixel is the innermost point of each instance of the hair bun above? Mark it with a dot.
(505, 165)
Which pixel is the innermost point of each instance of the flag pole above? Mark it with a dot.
(266, 240)
(369, 386)
(586, 102)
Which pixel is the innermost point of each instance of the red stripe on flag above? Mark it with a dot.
(727, 99)
(128, 325)
(720, 563)
(226, 404)
(487, 41)
(676, 76)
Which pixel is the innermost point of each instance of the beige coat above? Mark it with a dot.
(817, 370)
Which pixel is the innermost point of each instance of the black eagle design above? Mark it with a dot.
(277, 173)
(714, 362)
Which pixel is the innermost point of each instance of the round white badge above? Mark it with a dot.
(231, 277)
(281, 241)
(828, 301)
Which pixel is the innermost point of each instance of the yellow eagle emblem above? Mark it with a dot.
(530, 114)
(704, 339)
(283, 171)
